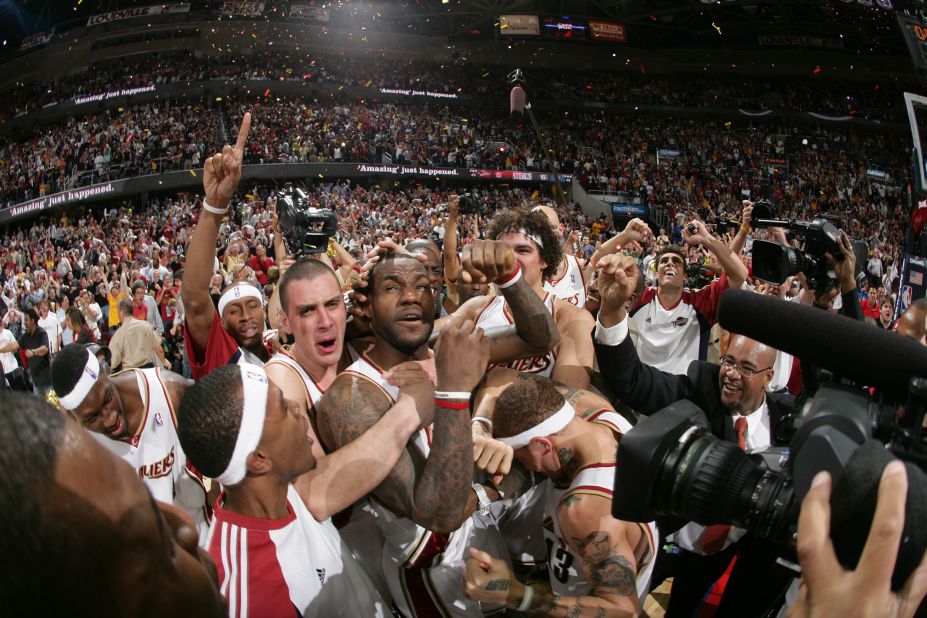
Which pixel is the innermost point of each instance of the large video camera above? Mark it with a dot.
(671, 465)
(306, 229)
(775, 263)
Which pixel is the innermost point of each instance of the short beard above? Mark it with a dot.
(407, 348)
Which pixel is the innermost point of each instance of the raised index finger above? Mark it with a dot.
(243, 131)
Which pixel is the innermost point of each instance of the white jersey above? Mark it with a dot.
(293, 566)
(314, 392)
(496, 314)
(154, 452)
(424, 570)
(571, 287)
(565, 577)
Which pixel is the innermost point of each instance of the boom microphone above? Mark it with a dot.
(847, 347)
(517, 100)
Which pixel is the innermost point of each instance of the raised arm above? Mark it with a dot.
(635, 231)
(536, 332)
(221, 174)
(740, 239)
(730, 262)
(449, 247)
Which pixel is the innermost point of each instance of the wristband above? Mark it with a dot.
(452, 395)
(482, 419)
(213, 209)
(526, 600)
(511, 279)
(452, 405)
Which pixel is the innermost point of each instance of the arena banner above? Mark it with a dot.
(242, 8)
(36, 206)
(453, 172)
(519, 25)
(601, 30)
(34, 40)
(629, 210)
(310, 13)
(111, 94)
(419, 93)
(142, 11)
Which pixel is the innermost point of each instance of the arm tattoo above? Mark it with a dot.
(609, 570)
(568, 461)
(544, 601)
(535, 324)
(497, 584)
(576, 610)
(599, 613)
(434, 493)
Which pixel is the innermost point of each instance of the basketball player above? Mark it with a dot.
(427, 508)
(132, 414)
(529, 236)
(273, 557)
(597, 562)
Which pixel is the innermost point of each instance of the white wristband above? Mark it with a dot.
(213, 209)
(513, 278)
(482, 419)
(526, 600)
(452, 395)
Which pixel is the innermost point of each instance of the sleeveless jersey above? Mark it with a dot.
(155, 453)
(314, 392)
(497, 313)
(424, 570)
(293, 566)
(571, 287)
(565, 577)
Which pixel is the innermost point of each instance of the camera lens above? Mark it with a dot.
(710, 481)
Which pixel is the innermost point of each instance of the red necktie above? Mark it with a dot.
(714, 536)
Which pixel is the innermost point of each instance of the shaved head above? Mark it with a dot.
(913, 322)
(551, 215)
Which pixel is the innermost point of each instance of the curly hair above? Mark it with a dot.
(527, 402)
(536, 224)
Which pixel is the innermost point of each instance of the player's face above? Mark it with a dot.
(402, 308)
(101, 411)
(671, 270)
(536, 457)
(528, 255)
(316, 318)
(244, 321)
(286, 435)
(144, 554)
(435, 269)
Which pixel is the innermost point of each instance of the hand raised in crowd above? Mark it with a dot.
(636, 230)
(461, 355)
(844, 264)
(222, 171)
(695, 233)
(618, 276)
(827, 589)
(746, 215)
(453, 208)
(487, 261)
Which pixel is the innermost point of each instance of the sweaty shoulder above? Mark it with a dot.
(350, 406)
(176, 385)
(566, 312)
(287, 380)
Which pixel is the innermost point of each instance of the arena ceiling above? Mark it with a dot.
(855, 26)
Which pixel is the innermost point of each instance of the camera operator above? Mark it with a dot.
(733, 396)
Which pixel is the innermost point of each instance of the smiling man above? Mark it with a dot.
(132, 415)
(115, 550)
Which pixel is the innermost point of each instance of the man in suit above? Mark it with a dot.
(733, 396)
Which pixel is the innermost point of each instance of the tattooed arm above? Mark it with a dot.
(351, 472)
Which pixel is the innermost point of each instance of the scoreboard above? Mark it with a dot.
(564, 27)
(915, 35)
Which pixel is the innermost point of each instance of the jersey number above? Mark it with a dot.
(560, 562)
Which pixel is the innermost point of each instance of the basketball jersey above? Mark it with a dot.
(155, 453)
(565, 577)
(314, 392)
(425, 570)
(571, 287)
(289, 566)
(496, 314)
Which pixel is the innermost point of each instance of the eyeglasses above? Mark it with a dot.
(745, 372)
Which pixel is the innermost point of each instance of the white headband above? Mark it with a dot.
(88, 378)
(254, 387)
(552, 424)
(237, 292)
(534, 237)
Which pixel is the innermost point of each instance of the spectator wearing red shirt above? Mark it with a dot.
(261, 264)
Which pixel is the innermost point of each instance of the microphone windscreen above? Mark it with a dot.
(849, 348)
(517, 100)
(853, 503)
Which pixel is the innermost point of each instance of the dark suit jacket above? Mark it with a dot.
(648, 390)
